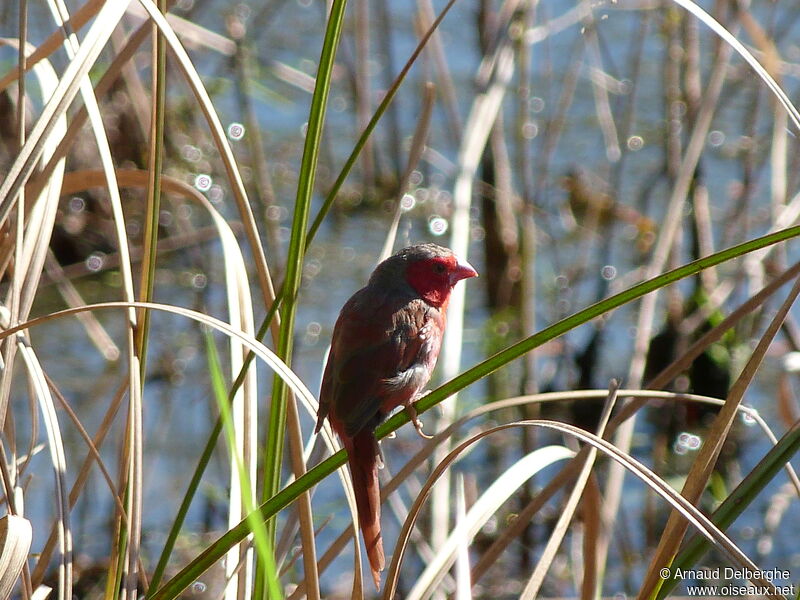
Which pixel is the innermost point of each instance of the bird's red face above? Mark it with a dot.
(433, 278)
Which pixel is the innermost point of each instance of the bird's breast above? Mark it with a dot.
(419, 333)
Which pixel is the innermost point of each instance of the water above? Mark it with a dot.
(572, 267)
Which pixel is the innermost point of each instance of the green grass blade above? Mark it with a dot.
(294, 263)
(262, 541)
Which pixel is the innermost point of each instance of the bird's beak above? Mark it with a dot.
(463, 270)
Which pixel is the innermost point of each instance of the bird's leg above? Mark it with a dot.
(412, 413)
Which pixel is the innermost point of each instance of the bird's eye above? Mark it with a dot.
(438, 268)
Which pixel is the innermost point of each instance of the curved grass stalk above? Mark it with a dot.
(462, 583)
(93, 451)
(59, 460)
(152, 203)
(487, 505)
(491, 555)
(595, 310)
(294, 383)
(47, 550)
(237, 581)
(32, 250)
(244, 407)
(731, 40)
(568, 511)
(240, 311)
(663, 489)
(687, 510)
(16, 535)
(82, 16)
(132, 528)
(264, 353)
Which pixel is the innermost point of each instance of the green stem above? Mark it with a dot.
(294, 264)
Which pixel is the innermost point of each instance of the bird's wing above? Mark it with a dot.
(369, 355)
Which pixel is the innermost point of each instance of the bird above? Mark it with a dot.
(384, 348)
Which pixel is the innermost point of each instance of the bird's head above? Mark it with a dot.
(430, 270)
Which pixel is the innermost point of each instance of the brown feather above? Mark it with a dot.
(363, 457)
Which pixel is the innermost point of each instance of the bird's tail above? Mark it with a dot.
(364, 455)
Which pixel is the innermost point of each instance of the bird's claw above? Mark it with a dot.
(418, 427)
(412, 413)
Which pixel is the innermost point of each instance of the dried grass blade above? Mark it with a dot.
(58, 458)
(294, 382)
(591, 505)
(104, 428)
(414, 154)
(463, 586)
(305, 515)
(16, 534)
(221, 142)
(536, 579)
(731, 40)
(39, 225)
(778, 457)
(41, 593)
(65, 92)
(50, 45)
(191, 33)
